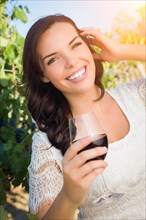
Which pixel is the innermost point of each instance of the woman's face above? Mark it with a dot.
(66, 60)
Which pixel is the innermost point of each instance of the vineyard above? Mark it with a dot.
(16, 126)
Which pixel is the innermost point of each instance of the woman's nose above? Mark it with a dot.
(70, 61)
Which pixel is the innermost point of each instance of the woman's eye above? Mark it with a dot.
(52, 60)
(77, 44)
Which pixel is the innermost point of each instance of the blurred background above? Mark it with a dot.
(122, 20)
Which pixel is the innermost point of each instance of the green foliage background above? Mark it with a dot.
(16, 127)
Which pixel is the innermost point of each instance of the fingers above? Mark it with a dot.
(95, 37)
(75, 148)
(109, 48)
(78, 173)
(79, 160)
(86, 155)
(75, 165)
(95, 167)
(85, 174)
(91, 33)
(88, 179)
(88, 31)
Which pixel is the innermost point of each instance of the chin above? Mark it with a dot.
(87, 87)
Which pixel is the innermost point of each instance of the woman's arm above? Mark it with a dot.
(78, 177)
(132, 52)
(112, 50)
(61, 208)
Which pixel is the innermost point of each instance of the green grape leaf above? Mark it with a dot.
(3, 214)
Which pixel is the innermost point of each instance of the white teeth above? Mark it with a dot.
(77, 75)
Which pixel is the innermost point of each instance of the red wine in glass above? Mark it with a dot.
(101, 141)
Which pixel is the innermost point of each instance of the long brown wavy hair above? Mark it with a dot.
(47, 105)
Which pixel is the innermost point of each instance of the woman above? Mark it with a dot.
(63, 77)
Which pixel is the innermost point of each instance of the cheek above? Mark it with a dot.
(51, 73)
(88, 54)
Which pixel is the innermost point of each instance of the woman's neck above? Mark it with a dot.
(84, 102)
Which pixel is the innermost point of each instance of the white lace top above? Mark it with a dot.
(125, 173)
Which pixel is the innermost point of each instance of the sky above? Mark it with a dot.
(99, 13)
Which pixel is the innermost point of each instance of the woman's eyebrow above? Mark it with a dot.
(51, 54)
(73, 40)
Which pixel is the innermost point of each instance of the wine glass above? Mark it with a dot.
(88, 125)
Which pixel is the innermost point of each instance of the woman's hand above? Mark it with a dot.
(109, 48)
(78, 173)
(112, 50)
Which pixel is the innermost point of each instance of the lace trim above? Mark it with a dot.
(142, 90)
(45, 175)
(43, 167)
(139, 85)
(44, 186)
(43, 203)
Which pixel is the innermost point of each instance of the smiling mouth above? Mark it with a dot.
(77, 75)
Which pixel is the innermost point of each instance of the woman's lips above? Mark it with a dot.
(78, 75)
